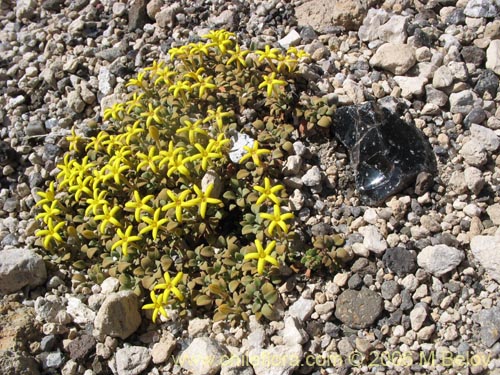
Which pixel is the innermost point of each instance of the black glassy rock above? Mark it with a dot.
(386, 152)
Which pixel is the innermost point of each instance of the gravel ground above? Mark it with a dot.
(421, 295)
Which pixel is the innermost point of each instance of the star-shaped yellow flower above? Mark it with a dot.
(277, 219)
(170, 286)
(203, 198)
(51, 233)
(267, 191)
(179, 202)
(107, 217)
(49, 212)
(272, 84)
(125, 239)
(157, 306)
(262, 255)
(139, 205)
(254, 153)
(154, 224)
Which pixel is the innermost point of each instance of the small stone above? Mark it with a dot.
(80, 312)
(81, 347)
(461, 102)
(291, 39)
(396, 58)
(75, 102)
(418, 316)
(473, 55)
(106, 81)
(119, 9)
(480, 8)
(472, 210)
(457, 182)
(163, 350)
(372, 239)
(20, 268)
(486, 136)
(35, 128)
(389, 289)
(292, 165)
(166, 17)
(494, 213)
(439, 259)
(358, 309)
(486, 249)
(137, 14)
(202, 347)
(476, 116)
(132, 360)
(443, 77)
(411, 86)
(52, 360)
(198, 327)
(474, 153)
(225, 19)
(400, 261)
(212, 178)
(312, 177)
(394, 30)
(293, 332)
(487, 82)
(118, 316)
(372, 23)
(436, 97)
(264, 361)
(302, 309)
(474, 179)
(25, 8)
(110, 285)
(490, 325)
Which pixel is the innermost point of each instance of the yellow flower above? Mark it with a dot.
(154, 224)
(152, 114)
(267, 191)
(177, 164)
(164, 76)
(218, 116)
(237, 55)
(51, 233)
(139, 81)
(262, 255)
(272, 84)
(81, 187)
(50, 212)
(114, 170)
(179, 202)
(205, 154)
(204, 84)
(108, 217)
(268, 54)
(73, 140)
(135, 102)
(97, 142)
(254, 153)
(148, 160)
(166, 156)
(219, 143)
(191, 128)
(95, 202)
(170, 286)
(277, 219)
(125, 239)
(220, 39)
(203, 199)
(155, 67)
(115, 112)
(157, 306)
(180, 87)
(139, 205)
(48, 196)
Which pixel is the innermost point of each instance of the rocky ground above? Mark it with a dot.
(421, 295)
